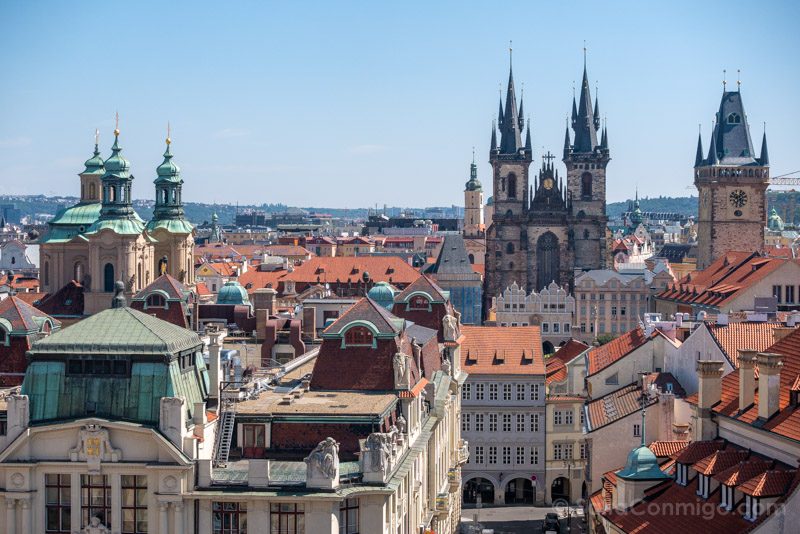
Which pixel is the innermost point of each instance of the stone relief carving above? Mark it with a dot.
(94, 447)
(402, 370)
(450, 324)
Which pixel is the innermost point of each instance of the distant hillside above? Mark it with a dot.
(683, 205)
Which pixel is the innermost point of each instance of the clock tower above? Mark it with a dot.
(732, 183)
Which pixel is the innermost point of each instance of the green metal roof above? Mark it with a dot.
(120, 226)
(117, 166)
(642, 465)
(95, 164)
(72, 221)
(168, 171)
(232, 293)
(118, 331)
(173, 226)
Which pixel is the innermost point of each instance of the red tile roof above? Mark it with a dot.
(616, 349)
(742, 472)
(787, 421)
(567, 352)
(744, 335)
(769, 484)
(720, 461)
(667, 448)
(22, 316)
(255, 279)
(350, 269)
(723, 280)
(556, 370)
(502, 350)
(202, 289)
(697, 450)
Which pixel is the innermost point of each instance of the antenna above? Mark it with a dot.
(738, 79)
(510, 52)
(116, 123)
(724, 79)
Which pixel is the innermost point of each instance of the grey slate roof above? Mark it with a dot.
(510, 125)
(584, 123)
(732, 142)
(453, 258)
(119, 331)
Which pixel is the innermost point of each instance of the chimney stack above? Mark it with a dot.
(780, 332)
(709, 394)
(747, 379)
(769, 384)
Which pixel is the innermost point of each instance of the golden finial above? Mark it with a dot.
(168, 131)
(116, 124)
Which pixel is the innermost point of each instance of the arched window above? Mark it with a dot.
(418, 302)
(164, 194)
(509, 213)
(92, 191)
(734, 118)
(471, 259)
(13, 260)
(139, 273)
(586, 185)
(3, 336)
(509, 248)
(548, 260)
(78, 272)
(358, 335)
(112, 194)
(586, 234)
(156, 300)
(108, 278)
(512, 185)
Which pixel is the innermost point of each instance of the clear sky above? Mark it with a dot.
(346, 104)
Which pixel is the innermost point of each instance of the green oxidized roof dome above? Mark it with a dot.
(473, 184)
(168, 171)
(383, 294)
(95, 164)
(642, 465)
(116, 165)
(232, 293)
(775, 221)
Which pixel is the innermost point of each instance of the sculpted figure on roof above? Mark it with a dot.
(450, 324)
(324, 459)
(402, 371)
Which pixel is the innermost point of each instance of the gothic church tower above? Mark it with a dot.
(732, 185)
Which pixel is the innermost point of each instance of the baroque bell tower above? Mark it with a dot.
(506, 237)
(732, 185)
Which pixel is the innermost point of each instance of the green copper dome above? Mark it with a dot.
(95, 164)
(116, 165)
(383, 294)
(642, 465)
(473, 184)
(168, 171)
(233, 293)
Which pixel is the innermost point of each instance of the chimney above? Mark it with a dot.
(769, 383)
(722, 319)
(747, 379)
(213, 361)
(780, 332)
(710, 392)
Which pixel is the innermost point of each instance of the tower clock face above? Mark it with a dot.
(738, 198)
(548, 183)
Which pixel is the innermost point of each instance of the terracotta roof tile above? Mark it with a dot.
(502, 350)
(255, 279)
(22, 316)
(667, 448)
(743, 471)
(697, 450)
(743, 335)
(771, 483)
(344, 269)
(604, 355)
(569, 350)
(719, 461)
(556, 370)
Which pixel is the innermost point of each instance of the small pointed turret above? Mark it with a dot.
(510, 131)
(713, 157)
(764, 159)
(566, 142)
(521, 115)
(698, 158)
(574, 112)
(604, 139)
(493, 145)
(500, 114)
(528, 138)
(596, 111)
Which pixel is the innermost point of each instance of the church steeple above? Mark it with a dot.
(764, 159)
(92, 174)
(169, 204)
(584, 123)
(510, 125)
(698, 158)
(117, 180)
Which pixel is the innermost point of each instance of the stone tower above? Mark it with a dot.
(173, 234)
(473, 204)
(732, 183)
(586, 160)
(506, 238)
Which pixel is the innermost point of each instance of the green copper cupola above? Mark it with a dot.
(168, 212)
(92, 174)
(117, 185)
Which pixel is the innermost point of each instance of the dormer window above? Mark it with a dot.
(726, 497)
(3, 336)
(750, 508)
(681, 474)
(734, 118)
(702, 486)
(156, 300)
(418, 302)
(358, 336)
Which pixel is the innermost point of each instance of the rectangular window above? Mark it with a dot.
(492, 392)
(229, 517)
(637, 430)
(506, 422)
(520, 455)
(583, 451)
(790, 294)
(134, 504)
(614, 311)
(534, 422)
(568, 417)
(567, 328)
(556, 328)
(776, 292)
(568, 451)
(558, 451)
(95, 499)
(254, 440)
(558, 417)
(287, 518)
(534, 455)
(492, 455)
(58, 507)
(478, 391)
(348, 516)
(506, 392)
(466, 391)
(534, 392)
(622, 310)
(506, 455)
(465, 422)
(492, 422)
(583, 328)
(478, 422)
(545, 328)
(520, 422)
(520, 392)
(479, 454)
(583, 416)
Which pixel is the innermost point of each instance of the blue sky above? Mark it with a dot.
(353, 104)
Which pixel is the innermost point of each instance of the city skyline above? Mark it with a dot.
(374, 100)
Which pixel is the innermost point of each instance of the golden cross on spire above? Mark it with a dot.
(116, 123)
(168, 131)
(96, 137)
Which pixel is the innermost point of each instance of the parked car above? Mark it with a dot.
(550, 525)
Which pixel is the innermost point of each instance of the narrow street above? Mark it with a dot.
(518, 519)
